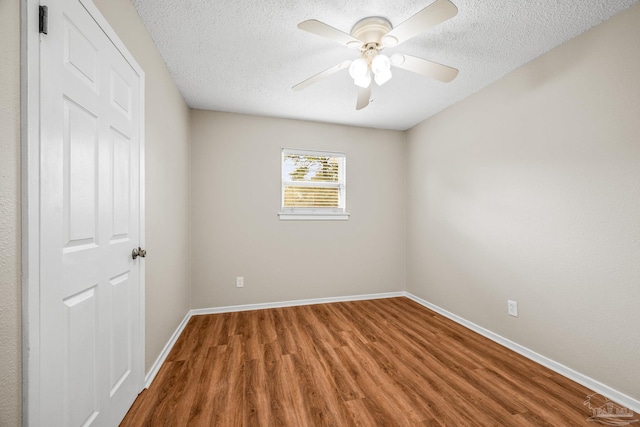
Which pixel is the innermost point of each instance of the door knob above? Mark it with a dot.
(138, 252)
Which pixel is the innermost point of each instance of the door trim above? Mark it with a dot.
(30, 158)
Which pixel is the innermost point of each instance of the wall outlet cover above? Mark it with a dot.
(512, 308)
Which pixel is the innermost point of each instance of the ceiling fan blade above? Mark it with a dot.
(431, 69)
(432, 15)
(323, 30)
(364, 97)
(322, 75)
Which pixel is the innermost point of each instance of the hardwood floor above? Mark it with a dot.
(388, 362)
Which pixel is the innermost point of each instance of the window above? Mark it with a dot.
(313, 185)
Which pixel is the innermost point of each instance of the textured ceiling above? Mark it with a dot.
(244, 56)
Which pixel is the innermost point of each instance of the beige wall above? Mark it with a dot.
(528, 190)
(10, 276)
(167, 182)
(236, 197)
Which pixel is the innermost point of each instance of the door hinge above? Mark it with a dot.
(44, 18)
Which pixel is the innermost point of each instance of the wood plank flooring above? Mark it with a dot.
(387, 362)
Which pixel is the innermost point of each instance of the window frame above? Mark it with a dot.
(315, 213)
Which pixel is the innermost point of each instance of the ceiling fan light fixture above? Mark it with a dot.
(381, 67)
(380, 64)
(358, 68)
(373, 34)
(363, 81)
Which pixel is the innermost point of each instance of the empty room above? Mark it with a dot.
(239, 213)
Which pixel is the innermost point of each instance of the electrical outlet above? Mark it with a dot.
(239, 282)
(512, 308)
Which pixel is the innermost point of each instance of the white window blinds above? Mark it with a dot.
(313, 185)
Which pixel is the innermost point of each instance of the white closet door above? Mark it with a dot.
(91, 352)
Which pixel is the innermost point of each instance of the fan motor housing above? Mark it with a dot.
(370, 30)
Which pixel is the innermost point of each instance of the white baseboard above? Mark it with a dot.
(247, 307)
(148, 379)
(561, 369)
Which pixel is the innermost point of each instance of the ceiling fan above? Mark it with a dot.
(371, 35)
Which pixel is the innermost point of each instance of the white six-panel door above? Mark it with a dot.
(91, 349)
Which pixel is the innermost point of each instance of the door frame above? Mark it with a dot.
(30, 176)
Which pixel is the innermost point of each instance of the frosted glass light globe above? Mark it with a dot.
(363, 81)
(380, 64)
(358, 68)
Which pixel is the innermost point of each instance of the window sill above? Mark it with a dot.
(313, 217)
